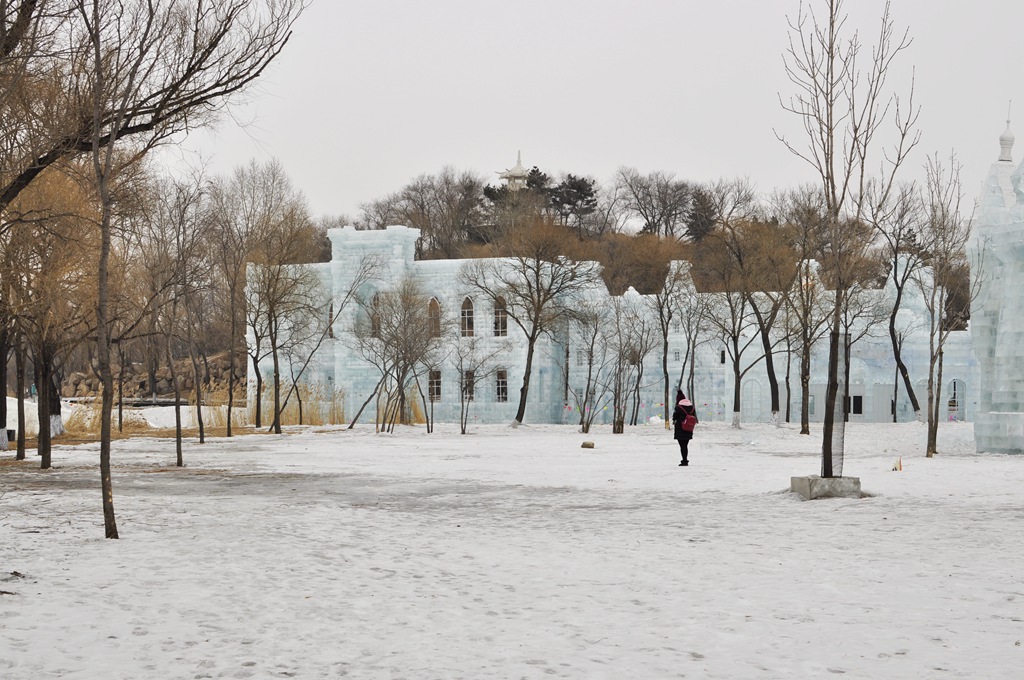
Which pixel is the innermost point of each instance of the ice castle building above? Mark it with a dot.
(983, 367)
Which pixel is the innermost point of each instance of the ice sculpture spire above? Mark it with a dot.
(1006, 140)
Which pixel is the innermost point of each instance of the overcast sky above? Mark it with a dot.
(371, 93)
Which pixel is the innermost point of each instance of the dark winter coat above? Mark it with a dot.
(678, 416)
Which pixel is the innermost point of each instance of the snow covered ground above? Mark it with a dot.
(514, 553)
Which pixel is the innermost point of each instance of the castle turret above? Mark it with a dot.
(997, 327)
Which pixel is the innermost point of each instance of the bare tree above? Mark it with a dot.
(592, 333)
(865, 312)
(623, 370)
(180, 271)
(236, 216)
(639, 334)
(51, 243)
(694, 307)
(537, 282)
(842, 109)
(808, 301)
(610, 213)
(144, 72)
(394, 334)
(658, 199)
(761, 261)
(665, 258)
(475, 361)
(945, 233)
(735, 325)
(445, 207)
(318, 328)
(7, 338)
(895, 219)
(285, 290)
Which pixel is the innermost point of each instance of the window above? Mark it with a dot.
(502, 385)
(675, 355)
(810, 404)
(375, 316)
(723, 356)
(330, 321)
(434, 385)
(581, 357)
(855, 405)
(434, 319)
(675, 326)
(500, 318)
(467, 318)
(468, 385)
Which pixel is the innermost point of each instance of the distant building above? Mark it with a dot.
(988, 390)
(559, 365)
(516, 176)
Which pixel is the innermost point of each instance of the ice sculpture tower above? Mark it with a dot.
(997, 314)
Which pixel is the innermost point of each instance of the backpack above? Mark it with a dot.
(689, 422)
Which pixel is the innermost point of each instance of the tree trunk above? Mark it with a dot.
(805, 390)
(5, 352)
(895, 394)
(833, 386)
(789, 387)
(120, 388)
(231, 377)
(769, 361)
(20, 361)
(103, 337)
(666, 398)
(276, 425)
(901, 368)
(366, 403)
(846, 382)
(737, 378)
(635, 414)
(199, 402)
(933, 421)
(691, 380)
(259, 392)
(198, 386)
(180, 461)
(524, 391)
(56, 417)
(43, 364)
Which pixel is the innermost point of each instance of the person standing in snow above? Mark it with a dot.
(684, 418)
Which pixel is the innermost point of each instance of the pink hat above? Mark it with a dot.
(685, 402)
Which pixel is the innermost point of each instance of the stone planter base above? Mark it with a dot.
(813, 486)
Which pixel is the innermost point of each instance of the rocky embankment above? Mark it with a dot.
(136, 381)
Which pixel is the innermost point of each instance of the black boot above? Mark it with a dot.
(683, 463)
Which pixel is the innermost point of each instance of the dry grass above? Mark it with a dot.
(320, 406)
(215, 412)
(84, 422)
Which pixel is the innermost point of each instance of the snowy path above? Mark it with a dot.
(515, 554)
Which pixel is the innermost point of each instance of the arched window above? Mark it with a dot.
(467, 318)
(500, 318)
(375, 316)
(434, 319)
(434, 385)
(501, 384)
